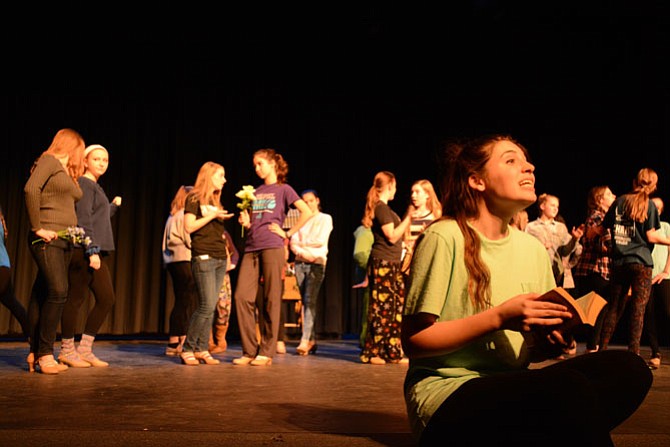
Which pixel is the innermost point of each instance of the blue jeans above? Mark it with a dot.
(208, 275)
(309, 277)
(49, 293)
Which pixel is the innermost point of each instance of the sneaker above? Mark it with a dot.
(244, 360)
(655, 362)
(261, 360)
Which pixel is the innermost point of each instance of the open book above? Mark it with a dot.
(584, 310)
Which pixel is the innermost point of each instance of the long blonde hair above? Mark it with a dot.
(203, 189)
(636, 202)
(381, 181)
(461, 159)
(433, 203)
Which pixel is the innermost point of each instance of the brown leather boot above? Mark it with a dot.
(221, 345)
(211, 345)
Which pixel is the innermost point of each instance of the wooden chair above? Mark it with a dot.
(291, 293)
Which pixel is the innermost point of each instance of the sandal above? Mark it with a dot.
(188, 358)
(206, 358)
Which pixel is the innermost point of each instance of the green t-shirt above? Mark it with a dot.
(518, 264)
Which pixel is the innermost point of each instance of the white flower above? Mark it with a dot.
(247, 196)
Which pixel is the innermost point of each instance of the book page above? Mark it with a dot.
(591, 304)
(585, 310)
(560, 296)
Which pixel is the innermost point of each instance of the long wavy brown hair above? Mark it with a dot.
(461, 158)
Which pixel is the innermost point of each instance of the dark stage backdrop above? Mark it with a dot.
(586, 94)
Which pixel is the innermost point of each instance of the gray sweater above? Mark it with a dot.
(51, 195)
(176, 241)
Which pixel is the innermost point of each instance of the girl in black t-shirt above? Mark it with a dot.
(386, 281)
(203, 220)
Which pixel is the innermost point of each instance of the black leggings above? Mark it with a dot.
(8, 298)
(574, 402)
(185, 297)
(83, 280)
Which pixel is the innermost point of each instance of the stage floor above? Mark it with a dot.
(145, 398)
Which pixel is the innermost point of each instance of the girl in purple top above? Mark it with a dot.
(264, 254)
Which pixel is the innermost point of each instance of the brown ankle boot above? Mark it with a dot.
(221, 345)
(211, 345)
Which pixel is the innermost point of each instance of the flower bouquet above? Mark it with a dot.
(246, 194)
(76, 235)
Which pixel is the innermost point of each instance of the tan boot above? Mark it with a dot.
(211, 345)
(221, 344)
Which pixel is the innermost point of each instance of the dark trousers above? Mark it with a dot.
(83, 280)
(574, 402)
(49, 293)
(185, 297)
(270, 263)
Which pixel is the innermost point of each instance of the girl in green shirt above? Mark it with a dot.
(472, 300)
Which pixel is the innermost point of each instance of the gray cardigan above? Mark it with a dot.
(176, 241)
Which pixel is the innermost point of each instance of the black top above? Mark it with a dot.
(382, 248)
(210, 239)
